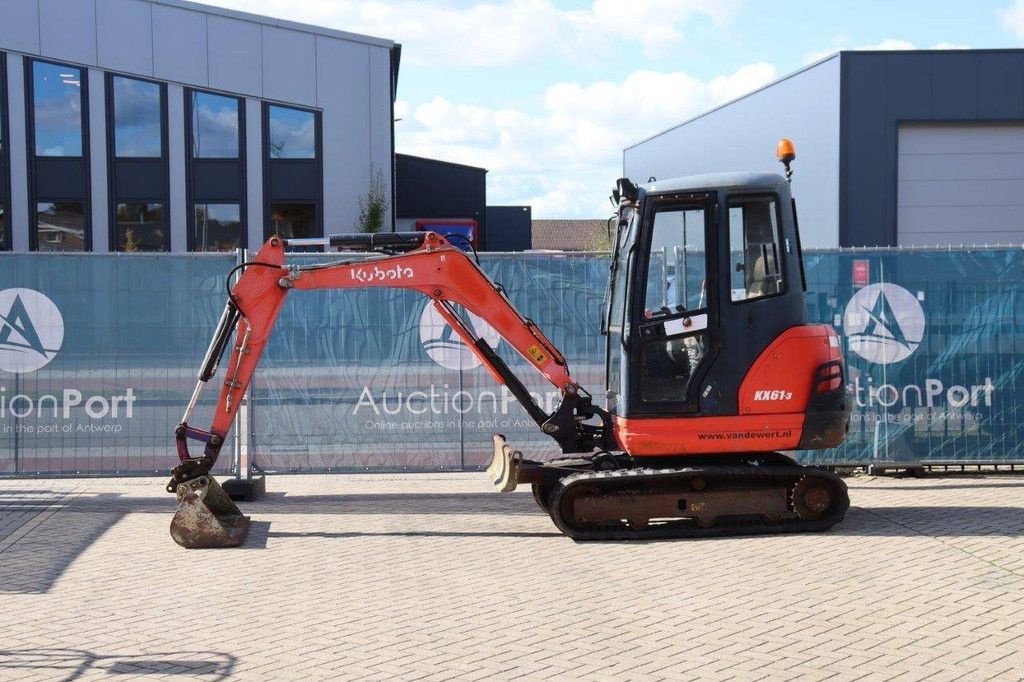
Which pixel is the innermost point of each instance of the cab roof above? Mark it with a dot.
(735, 180)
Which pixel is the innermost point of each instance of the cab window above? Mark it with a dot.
(755, 256)
(677, 268)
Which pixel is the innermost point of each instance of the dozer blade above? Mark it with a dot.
(503, 471)
(207, 517)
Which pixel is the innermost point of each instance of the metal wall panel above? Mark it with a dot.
(179, 45)
(19, 29)
(864, 213)
(955, 87)
(125, 36)
(343, 76)
(742, 136)
(235, 53)
(254, 173)
(289, 66)
(64, 30)
(1000, 86)
(99, 202)
(176, 167)
(18, 153)
(380, 121)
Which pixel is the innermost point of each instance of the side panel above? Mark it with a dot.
(671, 436)
(773, 402)
(780, 381)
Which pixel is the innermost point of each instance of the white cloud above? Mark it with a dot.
(1012, 19)
(564, 159)
(503, 31)
(887, 44)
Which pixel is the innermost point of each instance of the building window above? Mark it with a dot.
(3, 226)
(293, 221)
(141, 227)
(57, 109)
(60, 226)
(138, 118)
(292, 133)
(218, 227)
(215, 130)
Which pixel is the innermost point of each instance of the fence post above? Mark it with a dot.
(242, 485)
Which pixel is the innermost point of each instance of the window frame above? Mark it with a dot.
(269, 198)
(190, 169)
(34, 197)
(190, 128)
(112, 123)
(6, 239)
(113, 198)
(780, 240)
(317, 146)
(30, 108)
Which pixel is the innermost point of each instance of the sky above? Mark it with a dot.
(545, 94)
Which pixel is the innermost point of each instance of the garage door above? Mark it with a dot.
(960, 184)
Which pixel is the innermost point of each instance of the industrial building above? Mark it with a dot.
(164, 125)
(908, 148)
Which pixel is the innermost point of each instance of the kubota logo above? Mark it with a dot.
(884, 323)
(443, 344)
(31, 330)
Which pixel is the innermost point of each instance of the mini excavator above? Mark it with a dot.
(711, 368)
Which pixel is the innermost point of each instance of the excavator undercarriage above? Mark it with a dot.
(608, 498)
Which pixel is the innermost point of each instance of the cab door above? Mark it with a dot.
(674, 320)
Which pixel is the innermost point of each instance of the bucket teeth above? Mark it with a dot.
(207, 517)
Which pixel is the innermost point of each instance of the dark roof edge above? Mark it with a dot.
(447, 163)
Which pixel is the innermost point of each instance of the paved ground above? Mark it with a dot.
(436, 577)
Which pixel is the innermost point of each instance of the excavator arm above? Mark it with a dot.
(421, 261)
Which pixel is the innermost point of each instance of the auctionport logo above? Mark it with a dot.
(445, 347)
(884, 323)
(31, 330)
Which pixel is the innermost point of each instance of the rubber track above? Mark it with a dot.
(687, 528)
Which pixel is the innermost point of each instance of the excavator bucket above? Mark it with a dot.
(207, 517)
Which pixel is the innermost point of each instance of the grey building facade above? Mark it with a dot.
(893, 148)
(164, 125)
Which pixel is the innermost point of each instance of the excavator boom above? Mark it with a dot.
(424, 262)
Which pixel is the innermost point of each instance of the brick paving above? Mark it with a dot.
(436, 577)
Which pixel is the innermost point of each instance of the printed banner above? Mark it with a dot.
(99, 354)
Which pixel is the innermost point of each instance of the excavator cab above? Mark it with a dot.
(706, 273)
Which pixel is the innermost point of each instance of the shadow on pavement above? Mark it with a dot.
(71, 664)
(44, 533)
(49, 532)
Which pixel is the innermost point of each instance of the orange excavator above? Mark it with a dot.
(711, 369)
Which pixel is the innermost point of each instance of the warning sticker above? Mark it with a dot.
(537, 354)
